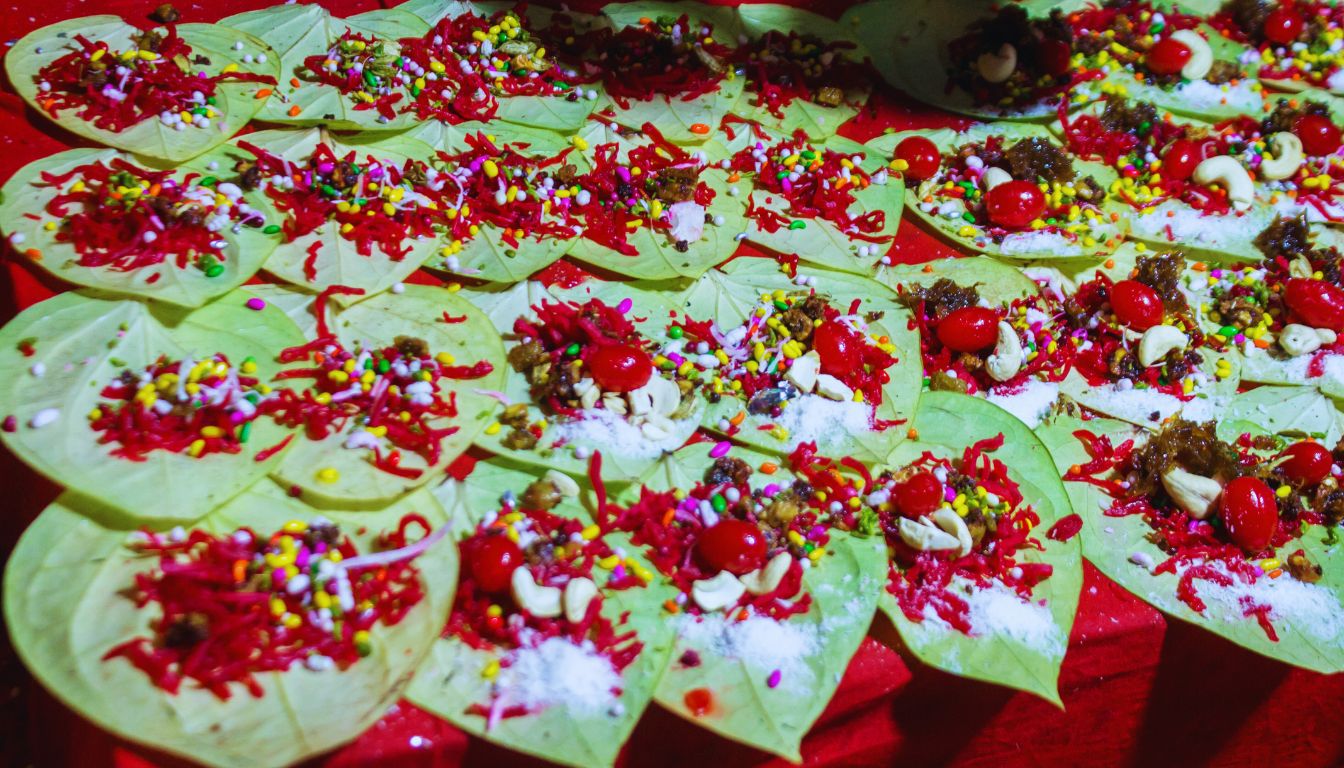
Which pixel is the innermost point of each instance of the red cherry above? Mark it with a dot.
(1167, 56)
(921, 157)
(1180, 159)
(620, 367)
(969, 329)
(919, 495)
(1015, 203)
(840, 349)
(1054, 56)
(1319, 135)
(491, 563)
(1316, 302)
(1136, 305)
(1283, 25)
(1306, 462)
(1249, 512)
(732, 545)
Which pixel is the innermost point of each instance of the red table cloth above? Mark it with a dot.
(1138, 688)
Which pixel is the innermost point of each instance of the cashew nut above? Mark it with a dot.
(659, 396)
(1195, 494)
(763, 581)
(1299, 339)
(1327, 336)
(589, 393)
(562, 482)
(803, 372)
(924, 536)
(947, 519)
(1225, 170)
(722, 591)
(835, 389)
(543, 602)
(997, 67)
(1300, 267)
(1006, 360)
(994, 176)
(579, 592)
(1286, 157)
(1201, 55)
(1158, 341)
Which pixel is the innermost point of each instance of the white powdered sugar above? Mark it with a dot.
(1045, 243)
(558, 672)
(1030, 402)
(759, 641)
(998, 610)
(1140, 405)
(1296, 368)
(1294, 606)
(1192, 227)
(605, 429)
(1206, 95)
(815, 418)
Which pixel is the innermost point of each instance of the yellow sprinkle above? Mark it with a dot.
(328, 475)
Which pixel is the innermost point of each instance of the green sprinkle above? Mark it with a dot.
(208, 181)
(1227, 331)
(245, 432)
(328, 190)
(968, 217)
(718, 503)
(797, 224)
(808, 154)
(674, 332)
(572, 349)
(384, 366)
(781, 306)
(210, 100)
(215, 270)
(270, 229)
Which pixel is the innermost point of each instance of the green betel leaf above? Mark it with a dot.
(68, 599)
(1022, 657)
(1294, 412)
(299, 31)
(337, 260)
(822, 242)
(658, 257)
(504, 304)
(376, 323)
(1100, 239)
(997, 282)
(28, 206)
(63, 352)
(1310, 632)
(569, 730)
(236, 101)
(298, 306)
(628, 450)
(729, 296)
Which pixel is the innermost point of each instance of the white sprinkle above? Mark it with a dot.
(44, 417)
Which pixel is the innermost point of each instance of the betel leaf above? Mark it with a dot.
(452, 138)
(626, 455)
(450, 682)
(504, 304)
(68, 599)
(1017, 245)
(657, 257)
(62, 352)
(729, 296)
(947, 424)
(23, 212)
(235, 104)
(818, 120)
(337, 261)
(1295, 412)
(298, 306)
(299, 31)
(997, 282)
(375, 323)
(1119, 547)
(821, 242)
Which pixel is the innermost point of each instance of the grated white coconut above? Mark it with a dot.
(602, 428)
(1029, 403)
(1139, 405)
(1295, 606)
(1195, 228)
(999, 611)
(1045, 243)
(1205, 95)
(759, 641)
(813, 418)
(558, 672)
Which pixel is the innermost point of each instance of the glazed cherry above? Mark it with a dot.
(1054, 56)
(969, 329)
(1319, 135)
(1249, 512)
(491, 563)
(1167, 56)
(1283, 25)
(735, 546)
(921, 157)
(918, 495)
(840, 349)
(1015, 203)
(1136, 305)
(1316, 303)
(1307, 463)
(1180, 159)
(620, 367)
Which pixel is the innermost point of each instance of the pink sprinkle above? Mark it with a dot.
(256, 303)
(773, 680)
(624, 306)
(720, 448)
(949, 493)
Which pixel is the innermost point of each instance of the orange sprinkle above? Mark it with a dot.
(1075, 469)
(33, 253)
(1110, 264)
(699, 128)
(154, 189)
(1262, 344)
(671, 606)
(294, 111)
(1115, 217)
(263, 93)
(645, 20)
(737, 419)
(734, 176)
(769, 468)
(1199, 266)
(928, 269)
(1276, 573)
(294, 81)
(668, 515)
(912, 433)
(239, 570)
(743, 615)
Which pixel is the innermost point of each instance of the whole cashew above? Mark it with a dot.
(947, 519)
(1225, 170)
(1006, 360)
(1195, 494)
(997, 67)
(925, 536)
(1158, 341)
(1299, 339)
(1201, 55)
(994, 176)
(715, 594)
(579, 592)
(803, 372)
(543, 602)
(563, 483)
(763, 581)
(1300, 267)
(1287, 156)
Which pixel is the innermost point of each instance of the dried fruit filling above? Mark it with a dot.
(667, 56)
(234, 606)
(1295, 40)
(784, 67)
(366, 70)
(1040, 52)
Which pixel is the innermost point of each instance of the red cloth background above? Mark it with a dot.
(1138, 689)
